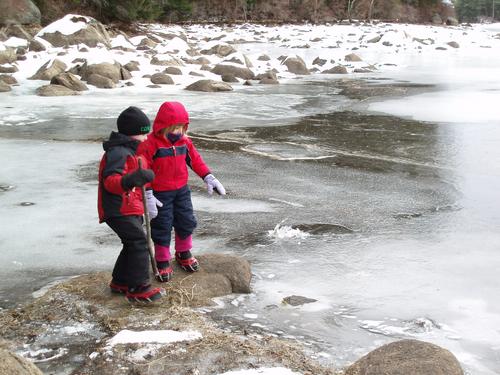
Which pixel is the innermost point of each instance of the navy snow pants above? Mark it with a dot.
(177, 212)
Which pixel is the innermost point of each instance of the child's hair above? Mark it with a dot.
(171, 128)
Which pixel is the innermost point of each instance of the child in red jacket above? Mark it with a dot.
(168, 150)
(120, 205)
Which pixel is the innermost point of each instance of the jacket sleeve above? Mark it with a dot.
(195, 161)
(145, 153)
(115, 168)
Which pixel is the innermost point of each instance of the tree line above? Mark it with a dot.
(270, 10)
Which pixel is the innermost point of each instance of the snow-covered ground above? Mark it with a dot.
(433, 277)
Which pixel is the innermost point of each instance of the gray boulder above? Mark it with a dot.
(125, 74)
(407, 357)
(4, 87)
(319, 61)
(8, 79)
(162, 79)
(169, 61)
(453, 44)
(108, 70)
(451, 21)
(36, 46)
(55, 90)
(49, 70)
(173, 70)
(208, 85)
(352, 57)
(338, 69)
(268, 78)
(229, 78)
(19, 12)
(240, 72)
(297, 300)
(70, 81)
(92, 33)
(8, 68)
(263, 58)
(221, 50)
(132, 66)
(296, 65)
(375, 39)
(100, 81)
(13, 364)
(436, 19)
(18, 31)
(7, 56)
(237, 270)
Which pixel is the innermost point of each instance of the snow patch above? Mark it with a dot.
(65, 25)
(162, 336)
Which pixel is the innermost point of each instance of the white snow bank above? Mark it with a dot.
(16, 42)
(263, 371)
(65, 25)
(161, 336)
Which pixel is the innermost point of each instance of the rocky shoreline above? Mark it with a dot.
(72, 329)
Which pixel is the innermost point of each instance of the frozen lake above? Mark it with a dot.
(384, 210)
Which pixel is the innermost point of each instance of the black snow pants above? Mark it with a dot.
(132, 266)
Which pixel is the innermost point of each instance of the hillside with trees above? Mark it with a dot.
(417, 11)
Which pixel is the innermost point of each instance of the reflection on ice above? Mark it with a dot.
(288, 151)
(230, 205)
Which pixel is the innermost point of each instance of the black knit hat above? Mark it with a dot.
(133, 121)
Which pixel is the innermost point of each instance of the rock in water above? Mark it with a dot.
(297, 300)
(409, 357)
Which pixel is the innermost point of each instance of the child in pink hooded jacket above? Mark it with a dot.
(169, 151)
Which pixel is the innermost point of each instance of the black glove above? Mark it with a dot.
(137, 178)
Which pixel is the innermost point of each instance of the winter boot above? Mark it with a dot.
(187, 261)
(143, 294)
(165, 271)
(117, 288)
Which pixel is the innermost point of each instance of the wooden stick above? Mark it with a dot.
(148, 229)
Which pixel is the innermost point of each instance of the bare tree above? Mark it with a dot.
(370, 10)
(350, 8)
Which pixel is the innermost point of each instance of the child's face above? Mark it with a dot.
(177, 129)
(139, 137)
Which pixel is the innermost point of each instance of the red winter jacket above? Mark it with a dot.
(118, 160)
(169, 161)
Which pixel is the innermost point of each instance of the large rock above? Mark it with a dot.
(86, 30)
(8, 79)
(108, 70)
(296, 65)
(162, 79)
(19, 12)
(7, 55)
(240, 72)
(36, 46)
(338, 69)
(8, 68)
(100, 81)
(352, 57)
(208, 85)
(12, 364)
(221, 50)
(4, 87)
(407, 357)
(451, 21)
(49, 70)
(70, 81)
(55, 90)
(18, 31)
(166, 61)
